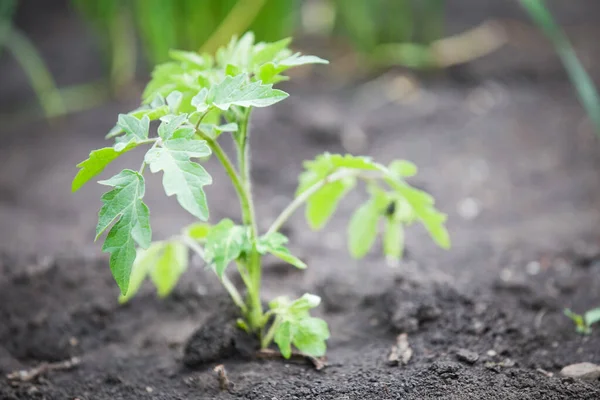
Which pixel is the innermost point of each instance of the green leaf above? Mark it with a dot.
(157, 109)
(283, 338)
(169, 267)
(403, 168)
(592, 316)
(202, 61)
(309, 336)
(199, 101)
(144, 262)
(297, 327)
(170, 124)
(239, 91)
(135, 129)
(124, 205)
(174, 100)
(214, 131)
(325, 164)
(303, 304)
(225, 243)
(323, 203)
(198, 230)
(297, 59)
(274, 243)
(393, 240)
(362, 230)
(267, 52)
(95, 164)
(422, 206)
(237, 52)
(579, 321)
(285, 255)
(183, 177)
(269, 72)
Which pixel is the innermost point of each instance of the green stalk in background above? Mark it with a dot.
(32, 63)
(40, 78)
(112, 23)
(586, 89)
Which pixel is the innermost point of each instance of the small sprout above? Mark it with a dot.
(583, 323)
(197, 100)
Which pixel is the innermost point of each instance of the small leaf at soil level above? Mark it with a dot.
(274, 243)
(297, 327)
(309, 336)
(95, 164)
(225, 243)
(283, 338)
(183, 177)
(592, 316)
(144, 262)
(173, 262)
(124, 205)
(362, 230)
(240, 91)
(164, 261)
(580, 323)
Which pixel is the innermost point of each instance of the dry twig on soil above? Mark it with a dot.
(31, 374)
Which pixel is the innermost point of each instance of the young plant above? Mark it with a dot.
(583, 323)
(197, 98)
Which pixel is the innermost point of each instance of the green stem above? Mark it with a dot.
(268, 338)
(249, 217)
(233, 292)
(304, 196)
(254, 306)
(229, 169)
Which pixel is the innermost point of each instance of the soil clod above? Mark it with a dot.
(218, 338)
(585, 371)
(467, 356)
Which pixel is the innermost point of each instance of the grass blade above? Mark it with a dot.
(586, 89)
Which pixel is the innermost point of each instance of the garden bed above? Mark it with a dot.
(507, 154)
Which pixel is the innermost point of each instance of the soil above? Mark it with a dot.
(506, 150)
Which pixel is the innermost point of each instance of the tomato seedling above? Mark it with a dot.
(197, 98)
(583, 322)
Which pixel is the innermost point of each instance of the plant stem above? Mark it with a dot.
(233, 292)
(298, 201)
(249, 217)
(268, 338)
(231, 172)
(253, 312)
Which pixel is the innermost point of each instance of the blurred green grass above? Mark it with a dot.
(384, 33)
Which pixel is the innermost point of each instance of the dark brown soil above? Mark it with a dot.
(507, 152)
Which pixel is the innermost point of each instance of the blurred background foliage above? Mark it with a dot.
(381, 33)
